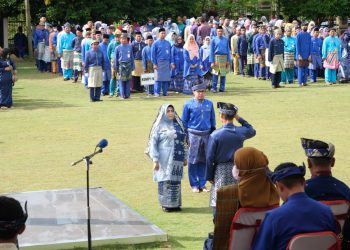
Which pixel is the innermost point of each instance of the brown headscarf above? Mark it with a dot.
(255, 189)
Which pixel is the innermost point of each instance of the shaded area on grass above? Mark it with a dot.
(31, 104)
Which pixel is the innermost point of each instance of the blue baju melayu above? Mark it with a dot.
(124, 64)
(299, 214)
(303, 52)
(148, 66)
(316, 58)
(198, 117)
(107, 72)
(66, 51)
(161, 57)
(177, 74)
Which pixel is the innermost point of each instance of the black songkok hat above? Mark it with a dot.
(316, 29)
(219, 27)
(149, 37)
(161, 29)
(317, 148)
(124, 31)
(138, 33)
(79, 29)
(105, 36)
(98, 32)
(227, 108)
(304, 24)
(88, 29)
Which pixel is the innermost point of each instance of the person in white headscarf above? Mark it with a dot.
(204, 53)
(167, 149)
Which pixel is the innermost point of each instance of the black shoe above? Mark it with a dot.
(65, 79)
(167, 210)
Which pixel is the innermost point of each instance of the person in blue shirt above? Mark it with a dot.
(261, 44)
(303, 54)
(177, 65)
(220, 58)
(107, 74)
(222, 146)
(275, 57)
(20, 42)
(316, 55)
(289, 57)
(65, 51)
(147, 61)
(322, 185)
(94, 66)
(242, 50)
(161, 59)
(299, 213)
(124, 65)
(77, 61)
(198, 117)
(137, 47)
(39, 40)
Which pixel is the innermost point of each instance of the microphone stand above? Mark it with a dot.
(88, 161)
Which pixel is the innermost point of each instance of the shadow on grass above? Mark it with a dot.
(154, 245)
(31, 104)
(197, 210)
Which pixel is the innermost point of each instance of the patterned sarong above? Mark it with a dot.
(262, 58)
(250, 59)
(162, 74)
(47, 54)
(95, 77)
(138, 68)
(169, 194)
(198, 145)
(227, 204)
(150, 67)
(191, 80)
(220, 68)
(289, 60)
(41, 50)
(67, 59)
(332, 60)
(77, 61)
(277, 64)
(54, 53)
(124, 71)
(222, 177)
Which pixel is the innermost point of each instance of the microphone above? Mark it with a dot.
(102, 144)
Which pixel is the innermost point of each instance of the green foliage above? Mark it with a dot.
(314, 9)
(10, 7)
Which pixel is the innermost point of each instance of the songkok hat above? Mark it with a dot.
(67, 25)
(95, 41)
(219, 27)
(149, 37)
(161, 29)
(286, 170)
(202, 86)
(305, 24)
(316, 29)
(79, 29)
(138, 33)
(98, 32)
(317, 149)
(105, 36)
(227, 108)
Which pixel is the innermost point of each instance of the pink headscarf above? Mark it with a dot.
(192, 48)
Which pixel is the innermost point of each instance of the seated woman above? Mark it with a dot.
(254, 189)
(168, 150)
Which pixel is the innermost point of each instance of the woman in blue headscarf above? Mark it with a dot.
(344, 68)
(167, 149)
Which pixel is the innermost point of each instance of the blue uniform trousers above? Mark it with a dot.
(288, 75)
(105, 88)
(256, 69)
(124, 87)
(313, 75)
(95, 94)
(222, 83)
(197, 174)
(161, 86)
(242, 63)
(60, 72)
(302, 75)
(330, 75)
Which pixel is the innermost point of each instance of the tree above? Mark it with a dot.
(314, 9)
(10, 7)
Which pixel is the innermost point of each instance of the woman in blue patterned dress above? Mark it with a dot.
(168, 150)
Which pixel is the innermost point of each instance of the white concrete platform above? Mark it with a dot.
(57, 220)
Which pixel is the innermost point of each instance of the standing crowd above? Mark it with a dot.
(188, 52)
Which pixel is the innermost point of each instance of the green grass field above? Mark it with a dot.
(53, 123)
